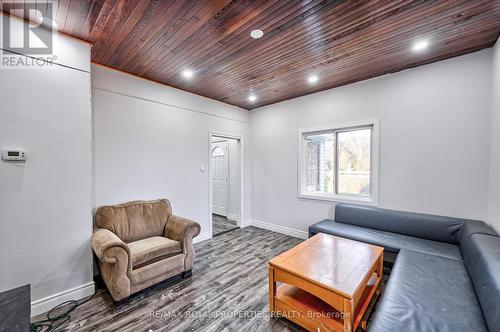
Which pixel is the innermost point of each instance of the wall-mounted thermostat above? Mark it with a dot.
(13, 155)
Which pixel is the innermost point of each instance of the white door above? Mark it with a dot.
(219, 178)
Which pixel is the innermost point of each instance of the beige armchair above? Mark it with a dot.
(141, 243)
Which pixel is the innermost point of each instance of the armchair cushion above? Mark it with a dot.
(152, 249)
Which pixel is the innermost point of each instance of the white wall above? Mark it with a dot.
(45, 203)
(494, 202)
(150, 141)
(434, 124)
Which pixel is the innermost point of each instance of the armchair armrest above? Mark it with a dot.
(182, 230)
(103, 240)
(115, 262)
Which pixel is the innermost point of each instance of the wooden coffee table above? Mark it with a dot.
(326, 282)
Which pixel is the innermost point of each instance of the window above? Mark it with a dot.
(339, 163)
(319, 163)
(217, 151)
(354, 161)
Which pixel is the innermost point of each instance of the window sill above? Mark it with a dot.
(339, 199)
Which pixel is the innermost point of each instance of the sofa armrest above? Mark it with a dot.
(103, 241)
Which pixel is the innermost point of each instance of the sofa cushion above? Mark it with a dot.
(152, 249)
(482, 257)
(136, 220)
(428, 293)
(426, 226)
(390, 241)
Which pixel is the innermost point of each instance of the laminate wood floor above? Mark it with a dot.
(221, 224)
(227, 292)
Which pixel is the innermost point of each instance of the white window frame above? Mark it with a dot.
(374, 163)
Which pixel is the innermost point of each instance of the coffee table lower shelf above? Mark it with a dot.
(312, 313)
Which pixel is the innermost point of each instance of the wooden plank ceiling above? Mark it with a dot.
(339, 41)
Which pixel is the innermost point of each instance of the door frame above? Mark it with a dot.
(241, 143)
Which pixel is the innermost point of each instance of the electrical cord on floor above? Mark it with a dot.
(57, 316)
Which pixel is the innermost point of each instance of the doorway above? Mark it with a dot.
(225, 183)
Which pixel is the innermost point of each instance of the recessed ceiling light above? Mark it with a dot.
(252, 98)
(313, 79)
(420, 45)
(256, 34)
(187, 73)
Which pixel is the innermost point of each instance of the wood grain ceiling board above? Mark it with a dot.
(339, 41)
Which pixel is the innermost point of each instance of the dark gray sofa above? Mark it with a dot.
(446, 276)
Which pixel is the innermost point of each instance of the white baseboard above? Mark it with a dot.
(259, 224)
(202, 237)
(232, 216)
(277, 228)
(43, 305)
(246, 223)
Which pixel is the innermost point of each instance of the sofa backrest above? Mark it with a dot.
(135, 220)
(438, 228)
(471, 227)
(481, 253)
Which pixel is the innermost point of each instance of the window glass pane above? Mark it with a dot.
(354, 161)
(319, 163)
(217, 152)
